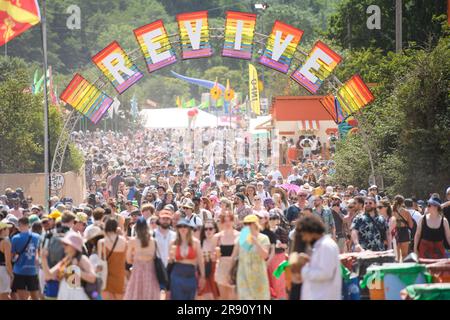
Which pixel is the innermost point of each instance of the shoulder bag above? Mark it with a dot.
(161, 271)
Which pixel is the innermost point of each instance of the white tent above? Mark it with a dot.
(176, 118)
(254, 123)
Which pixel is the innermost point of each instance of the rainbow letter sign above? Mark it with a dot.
(194, 40)
(117, 67)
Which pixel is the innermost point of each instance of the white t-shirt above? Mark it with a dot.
(163, 243)
(415, 215)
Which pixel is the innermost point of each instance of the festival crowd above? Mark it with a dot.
(155, 226)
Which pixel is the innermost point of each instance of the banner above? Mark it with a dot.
(351, 97)
(239, 33)
(318, 66)
(86, 98)
(16, 17)
(117, 66)
(194, 34)
(253, 89)
(354, 95)
(331, 105)
(155, 46)
(281, 46)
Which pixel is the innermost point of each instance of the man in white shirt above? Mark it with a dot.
(414, 214)
(164, 236)
(263, 194)
(321, 271)
(294, 176)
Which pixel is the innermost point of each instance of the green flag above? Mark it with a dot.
(220, 102)
(191, 103)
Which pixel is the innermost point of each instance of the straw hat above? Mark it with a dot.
(93, 232)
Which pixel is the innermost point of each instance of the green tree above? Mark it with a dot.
(21, 123)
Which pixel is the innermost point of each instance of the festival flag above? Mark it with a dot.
(86, 98)
(16, 17)
(212, 171)
(155, 45)
(253, 89)
(239, 33)
(189, 104)
(178, 102)
(318, 66)
(117, 67)
(134, 107)
(194, 34)
(281, 46)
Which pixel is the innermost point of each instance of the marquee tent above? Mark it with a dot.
(176, 118)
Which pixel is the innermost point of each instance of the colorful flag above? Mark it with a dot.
(239, 33)
(16, 17)
(194, 34)
(253, 89)
(178, 102)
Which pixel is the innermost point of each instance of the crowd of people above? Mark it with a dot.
(154, 226)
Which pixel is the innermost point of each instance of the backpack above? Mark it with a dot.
(55, 249)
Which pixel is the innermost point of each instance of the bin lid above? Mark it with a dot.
(407, 272)
(434, 291)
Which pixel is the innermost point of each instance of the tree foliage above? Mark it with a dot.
(408, 125)
(21, 123)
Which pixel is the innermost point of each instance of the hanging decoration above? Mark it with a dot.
(155, 46)
(318, 66)
(117, 67)
(86, 98)
(239, 33)
(281, 46)
(194, 34)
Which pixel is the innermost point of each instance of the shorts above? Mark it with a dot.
(403, 235)
(341, 244)
(28, 283)
(5, 281)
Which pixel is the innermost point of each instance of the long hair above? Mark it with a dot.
(398, 203)
(142, 233)
(203, 231)
(189, 237)
(387, 204)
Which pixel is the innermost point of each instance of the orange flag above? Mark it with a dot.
(16, 17)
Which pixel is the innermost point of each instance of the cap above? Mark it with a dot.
(169, 207)
(164, 213)
(135, 213)
(335, 196)
(33, 218)
(251, 218)
(189, 204)
(81, 217)
(373, 187)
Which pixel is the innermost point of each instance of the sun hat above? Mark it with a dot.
(93, 232)
(185, 222)
(74, 240)
(251, 218)
(4, 225)
(55, 214)
(434, 202)
(11, 220)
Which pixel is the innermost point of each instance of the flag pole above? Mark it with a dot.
(46, 131)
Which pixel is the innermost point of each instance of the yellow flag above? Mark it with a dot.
(253, 89)
(178, 102)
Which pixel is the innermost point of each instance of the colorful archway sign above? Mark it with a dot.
(158, 53)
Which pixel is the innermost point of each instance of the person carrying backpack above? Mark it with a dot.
(53, 244)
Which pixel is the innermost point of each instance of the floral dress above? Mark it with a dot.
(252, 279)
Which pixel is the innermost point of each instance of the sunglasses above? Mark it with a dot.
(247, 223)
(273, 218)
(182, 227)
(302, 195)
(381, 207)
(209, 229)
(350, 207)
(257, 199)
(368, 203)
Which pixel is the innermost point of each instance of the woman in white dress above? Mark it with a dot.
(72, 270)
